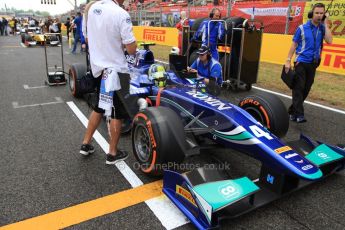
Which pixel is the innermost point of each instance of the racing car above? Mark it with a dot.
(184, 116)
(32, 36)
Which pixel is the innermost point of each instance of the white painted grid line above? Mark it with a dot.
(15, 104)
(34, 87)
(307, 102)
(167, 213)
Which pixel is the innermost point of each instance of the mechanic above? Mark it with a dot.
(206, 66)
(47, 23)
(68, 25)
(216, 31)
(77, 23)
(307, 46)
(184, 21)
(108, 29)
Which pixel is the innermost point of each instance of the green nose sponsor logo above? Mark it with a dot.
(229, 191)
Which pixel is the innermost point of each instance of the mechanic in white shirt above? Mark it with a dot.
(108, 30)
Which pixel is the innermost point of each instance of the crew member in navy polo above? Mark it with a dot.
(307, 46)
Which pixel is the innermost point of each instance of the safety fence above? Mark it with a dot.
(277, 17)
(274, 47)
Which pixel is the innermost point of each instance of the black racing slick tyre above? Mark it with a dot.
(158, 140)
(22, 36)
(27, 38)
(233, 22)
(193, 56)
(126, 127)
(269, 110)
(76, 72)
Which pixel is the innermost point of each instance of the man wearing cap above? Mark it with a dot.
(206, 66)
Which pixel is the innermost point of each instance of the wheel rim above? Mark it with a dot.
(257, 115)
(71, 82)
(142, 143)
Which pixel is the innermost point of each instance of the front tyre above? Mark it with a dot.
(158, 140)
(269, 110)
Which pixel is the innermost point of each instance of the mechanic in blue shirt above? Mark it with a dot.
(211, 32)
(307, 45)
(77, 21)
(206, 66)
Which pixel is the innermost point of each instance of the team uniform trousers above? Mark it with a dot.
(305, 74)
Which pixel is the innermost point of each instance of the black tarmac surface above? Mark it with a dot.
(41, 170)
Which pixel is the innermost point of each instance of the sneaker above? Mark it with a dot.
(300, 119)
(86, 149)
(120, 156)
(292, 117)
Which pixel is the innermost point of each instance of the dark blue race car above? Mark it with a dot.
(186, 116)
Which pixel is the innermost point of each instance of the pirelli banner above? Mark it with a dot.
(336, 10)
(158, 35)
(275, 48)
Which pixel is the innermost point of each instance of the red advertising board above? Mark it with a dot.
(273, 15)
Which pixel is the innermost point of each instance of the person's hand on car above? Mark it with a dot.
(191, 70)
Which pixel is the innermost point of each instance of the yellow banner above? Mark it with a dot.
(158, 35)
(275, 48)
(336, 12)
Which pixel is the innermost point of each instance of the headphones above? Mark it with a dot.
(311, 12)
(209, 56)
(212, 12)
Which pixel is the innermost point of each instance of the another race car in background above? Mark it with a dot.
(176, 116)
(32, 36)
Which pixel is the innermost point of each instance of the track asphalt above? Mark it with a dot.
(47, 184)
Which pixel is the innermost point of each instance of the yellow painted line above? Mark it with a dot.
(11, 47)
(82, 212)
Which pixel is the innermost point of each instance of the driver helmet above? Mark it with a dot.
(175, 50)
(158, 75)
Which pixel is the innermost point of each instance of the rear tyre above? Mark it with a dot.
(76, 72)
(269, 110)
(248, 87)
(193, 56)
(158, 140)
(23, 38)
(126, 126)
(27, 39)
(233, 22)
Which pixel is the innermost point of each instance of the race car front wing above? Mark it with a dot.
(206, 195)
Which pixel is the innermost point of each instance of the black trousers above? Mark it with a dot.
(305, 74)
